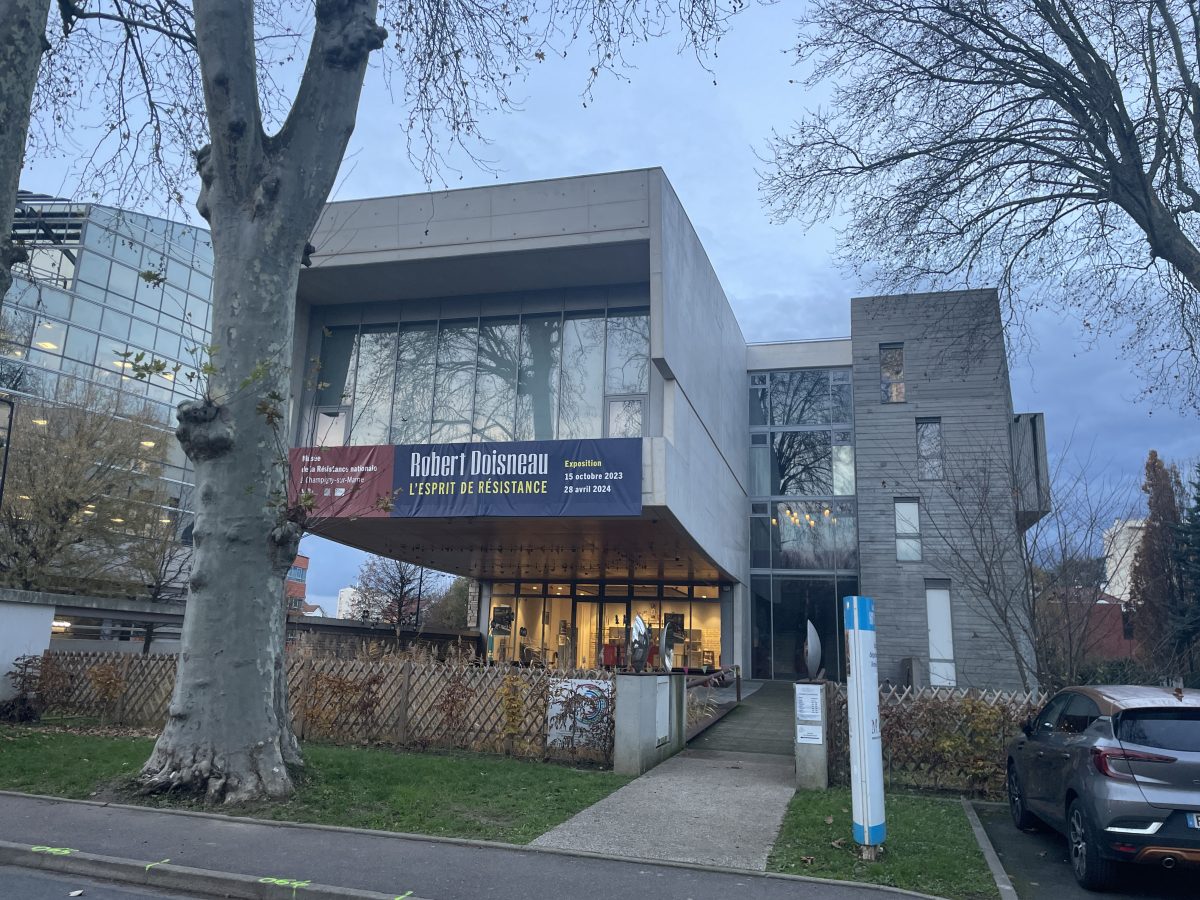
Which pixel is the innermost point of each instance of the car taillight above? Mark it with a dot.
(1104, 757)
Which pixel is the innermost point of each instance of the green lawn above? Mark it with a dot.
(457, 795)
(929, 848)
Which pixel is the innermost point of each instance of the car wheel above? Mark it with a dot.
(1092, 871)
(1020, 813)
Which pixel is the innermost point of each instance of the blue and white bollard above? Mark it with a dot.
(866, 744)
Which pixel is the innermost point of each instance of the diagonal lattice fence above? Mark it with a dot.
(945, 739)
(409, 700)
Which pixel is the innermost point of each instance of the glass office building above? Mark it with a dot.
(101, 287)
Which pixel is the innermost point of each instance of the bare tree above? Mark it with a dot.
(391, 591)
(1038, 588)
(1050, 146)
(160, 561)
(227, 733)
(75, 500)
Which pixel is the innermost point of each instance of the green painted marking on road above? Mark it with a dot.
(159, 863)
(405, 894)
(56, 851)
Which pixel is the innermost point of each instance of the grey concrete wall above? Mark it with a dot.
(697, 346)
(955, 369)
(798, 354)
(611, 206)
(24, 631)
(636, 748)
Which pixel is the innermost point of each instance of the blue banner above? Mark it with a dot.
(519, 478)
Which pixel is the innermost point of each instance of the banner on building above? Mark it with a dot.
(517, 478)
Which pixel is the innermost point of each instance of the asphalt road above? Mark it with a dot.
(29, 884)
(380, 862)
(1040, 867)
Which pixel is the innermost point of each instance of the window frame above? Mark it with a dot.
(908, 536)
(933, 461)
(886, 383)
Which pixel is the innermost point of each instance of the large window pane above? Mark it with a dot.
(760, 628)
(760, 543)
(627, 370)
(415, 361)
(801, 463)
(800, 398)
(335, 379)
(496, 381)
(375, 373)
(580, 405)
(537, 384)
(455, 383)
(814, 534)
(929, 449)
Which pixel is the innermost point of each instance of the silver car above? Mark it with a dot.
(1116, 770)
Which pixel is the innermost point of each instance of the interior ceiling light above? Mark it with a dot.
(151, 444)
(26, 497)
(46, 345)
(41, 421)
(118, 520)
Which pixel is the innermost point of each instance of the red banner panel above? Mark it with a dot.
(346, 482)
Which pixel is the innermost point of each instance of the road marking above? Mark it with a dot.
(159, 863)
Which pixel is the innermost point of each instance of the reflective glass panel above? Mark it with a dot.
(625, 418)
(801, 463)
(537, 381)
(454, 388)
(580, 404)
(760, 627)
(335, 378)
(814, 534)
(375, 372)
(760, 471)
(795, 602)
(627, 367)
(496, 381)
(929, 449)
(800, 398)
(843, 470)
(415, 362)
(759, 406)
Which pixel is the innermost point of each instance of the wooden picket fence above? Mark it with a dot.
(944, 739)
(403, 700)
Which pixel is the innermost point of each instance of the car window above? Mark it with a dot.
(1166, 729)
(1048, 717)
(1080, 713)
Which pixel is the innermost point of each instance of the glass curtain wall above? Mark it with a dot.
(587, 625)
(803, 521)
(537, 377)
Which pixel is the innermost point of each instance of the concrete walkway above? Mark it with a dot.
(762, 724)
(703, 806)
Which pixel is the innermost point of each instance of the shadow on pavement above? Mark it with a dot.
(1038, 864)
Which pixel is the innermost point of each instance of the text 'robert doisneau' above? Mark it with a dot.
(433, 464)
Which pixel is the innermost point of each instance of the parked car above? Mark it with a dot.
(1117, 771)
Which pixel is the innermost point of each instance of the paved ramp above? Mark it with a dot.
(702, 806)
(763, 723)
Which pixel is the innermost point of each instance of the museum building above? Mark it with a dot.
(542, 386)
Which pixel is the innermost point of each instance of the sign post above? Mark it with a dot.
(866, 744)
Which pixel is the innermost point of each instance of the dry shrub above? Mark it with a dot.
(108, 684)
(335, 704)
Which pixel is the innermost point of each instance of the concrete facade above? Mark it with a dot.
(622, 241)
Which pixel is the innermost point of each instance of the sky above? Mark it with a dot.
(709, 131)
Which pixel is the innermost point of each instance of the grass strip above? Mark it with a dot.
(446, 794)
(929, 848)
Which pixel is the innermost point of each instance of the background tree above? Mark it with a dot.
(160, 561)
(448, 610)
(1049, 146)
(1187, 559)
(1162, 619)
(391, 591)
(74, 497)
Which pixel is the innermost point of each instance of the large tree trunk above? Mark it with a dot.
(228, 732)
(228, 729)
(22, 43)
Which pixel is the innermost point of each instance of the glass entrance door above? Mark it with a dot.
(587, 634)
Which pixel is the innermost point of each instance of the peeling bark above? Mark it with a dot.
(22, 43)
(228, 733)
